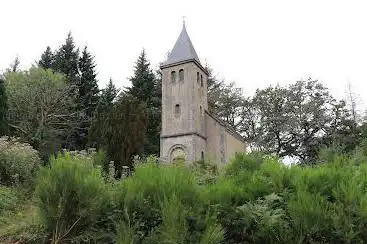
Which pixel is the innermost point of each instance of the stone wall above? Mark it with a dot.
(222, 142)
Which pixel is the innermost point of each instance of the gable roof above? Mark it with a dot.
(183, 49)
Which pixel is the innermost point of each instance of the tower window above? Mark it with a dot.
(173, 76)
(177, 110)
(201, 81)
(181, 75)
(201, 110)
(197, 77)
(202, 155)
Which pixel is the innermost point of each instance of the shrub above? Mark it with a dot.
(164, 204)
(18, 162)
(141, 194)
(8, 200)
(241, 161)
(205, 172)
(70, 194)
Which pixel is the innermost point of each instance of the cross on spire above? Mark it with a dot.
(184, 20)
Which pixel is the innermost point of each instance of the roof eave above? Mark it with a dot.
(165, 65)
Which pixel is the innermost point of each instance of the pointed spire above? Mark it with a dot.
(183, 49)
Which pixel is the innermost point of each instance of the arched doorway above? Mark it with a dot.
(177, 154)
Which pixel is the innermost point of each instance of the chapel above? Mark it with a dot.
(189, 130)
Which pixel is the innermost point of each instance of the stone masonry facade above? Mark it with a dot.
(189, 131)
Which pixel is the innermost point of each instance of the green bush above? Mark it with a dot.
(70, 196)
(19, 162)
(8, 200)
(253, 199)
(140, 195)
(164, 204)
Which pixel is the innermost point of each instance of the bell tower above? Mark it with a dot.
(184, 102)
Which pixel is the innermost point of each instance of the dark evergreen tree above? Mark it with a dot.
(98, 128)
(125, 129)
(146, 88)
(47, 59)
(66, 61)
(88, 87)
(3, 109)
(108, 94)
(86, 97)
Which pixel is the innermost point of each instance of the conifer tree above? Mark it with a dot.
(98, 128)
(3, 109)
(145, 87)
(66, 61)
(88, 87)
(47, 59)
(108, 94)
(125, 130)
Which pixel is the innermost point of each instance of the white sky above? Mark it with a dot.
(254, 43)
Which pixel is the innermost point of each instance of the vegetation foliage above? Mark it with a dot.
(19, 162)
(253, 199)
(48, 196)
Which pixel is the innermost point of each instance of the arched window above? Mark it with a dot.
(197, 77)
(201, 110)
(173, 76)
(181, 75)
(202, 155)
(201, 81)
(177, 110)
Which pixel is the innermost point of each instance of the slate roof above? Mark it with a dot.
(183, 49)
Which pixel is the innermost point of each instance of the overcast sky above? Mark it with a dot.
(254, 43)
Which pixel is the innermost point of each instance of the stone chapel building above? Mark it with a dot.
(188, 130)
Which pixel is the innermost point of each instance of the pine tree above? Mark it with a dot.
(125, 130)
(88, 87)
(47, 59)
(3, 109)
(109, 94)
(66, 61)
(145, 87)
(98, 128)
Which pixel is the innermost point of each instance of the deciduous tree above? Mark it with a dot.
(39, 102)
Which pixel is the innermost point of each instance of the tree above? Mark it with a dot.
(146, 88)
(98, 127)
(295, 121)
(229, 104)
(224, 100)
(66, 61)
(39, 102)
(87, 98)
(3, 109)
(125, 130)
(47, 59)
(214, 90)
(88, 87)
(272, 130)
(109, 94)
